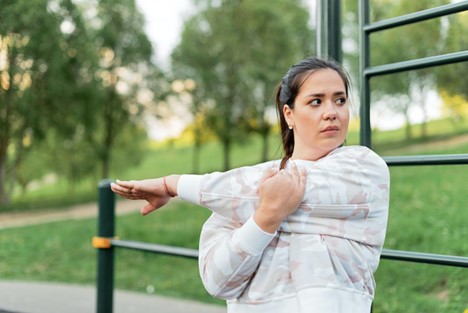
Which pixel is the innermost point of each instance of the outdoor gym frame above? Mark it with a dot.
(329, 43)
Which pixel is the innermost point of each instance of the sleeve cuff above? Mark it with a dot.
(251, 238)
(188, 188)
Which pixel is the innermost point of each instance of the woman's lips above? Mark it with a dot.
(331, 129)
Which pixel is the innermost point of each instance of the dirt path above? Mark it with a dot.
(447, 143)
(81, 211)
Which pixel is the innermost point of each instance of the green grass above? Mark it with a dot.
(62, 251)
(428, 213)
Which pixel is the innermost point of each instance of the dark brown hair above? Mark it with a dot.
(289, 88)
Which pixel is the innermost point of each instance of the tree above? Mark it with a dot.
(277, 40)
(238, 63)
(451, 80)
(125, 53)
(35, 83)
(406, 43)
(69, 86)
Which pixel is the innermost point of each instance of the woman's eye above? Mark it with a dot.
(315, 102)
(341, 100)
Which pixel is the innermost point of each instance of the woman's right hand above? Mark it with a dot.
(280, 193)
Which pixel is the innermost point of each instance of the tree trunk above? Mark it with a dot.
(106, 154)
(4, 141)
(196, 157)
(424, 129)
(226, 153)
(408, 132)
(4, 199)
(265, 143)
(14, 169)
(108, 136)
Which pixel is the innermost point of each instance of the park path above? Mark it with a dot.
(81, 211)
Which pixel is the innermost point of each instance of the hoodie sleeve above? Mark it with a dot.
(347, 195)
(230, 255)
(230, 248)
(232, 194)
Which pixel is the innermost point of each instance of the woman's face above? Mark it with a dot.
(320, 116)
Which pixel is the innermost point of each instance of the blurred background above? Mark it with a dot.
(133, 89)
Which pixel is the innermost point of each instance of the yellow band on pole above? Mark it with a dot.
(102, 242)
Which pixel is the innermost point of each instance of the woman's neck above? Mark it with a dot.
(311, 154)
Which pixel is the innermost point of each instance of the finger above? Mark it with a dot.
(268, 174)
(120, 189)
(147, 209)
(298, 175)
(114, 187)
(287, 175)
(126, 183)
(294, 170)
(303, 178)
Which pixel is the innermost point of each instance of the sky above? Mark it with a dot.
(164, 20)
(163, 24)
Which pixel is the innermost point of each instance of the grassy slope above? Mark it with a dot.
(427, 213)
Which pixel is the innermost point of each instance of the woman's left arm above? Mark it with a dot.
(157, 191)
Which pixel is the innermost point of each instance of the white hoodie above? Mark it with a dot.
(323, 256)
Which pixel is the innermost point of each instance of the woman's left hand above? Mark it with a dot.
(151, 190)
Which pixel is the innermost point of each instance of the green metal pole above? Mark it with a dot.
(329, 29)
(105, 257)
(334, 30)
(364, 63)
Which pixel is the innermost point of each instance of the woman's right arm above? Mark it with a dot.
(230, 255)
(230, 251)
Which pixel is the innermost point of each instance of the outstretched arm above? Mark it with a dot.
(157, 192)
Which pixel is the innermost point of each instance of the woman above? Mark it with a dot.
(301, 234)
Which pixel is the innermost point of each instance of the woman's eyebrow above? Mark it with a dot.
(321, 95)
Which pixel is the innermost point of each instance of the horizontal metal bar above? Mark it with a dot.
(427, 258)
(415, 64)
(409, 256)
(156, 248)
(416, 17)
(443, 159)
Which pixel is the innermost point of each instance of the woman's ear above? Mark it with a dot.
(287, 112)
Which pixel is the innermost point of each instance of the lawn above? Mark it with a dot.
(428, 213)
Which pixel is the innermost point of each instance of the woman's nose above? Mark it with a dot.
(330, 111)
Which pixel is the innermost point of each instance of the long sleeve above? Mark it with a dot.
(346, 195)
(229, 252)
(229, 255)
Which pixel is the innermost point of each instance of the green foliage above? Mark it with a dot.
(456, 107)
(451, 79)
(407, 92)
(67, 89)
(408, 89)
(33, 82)
(236, 66)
